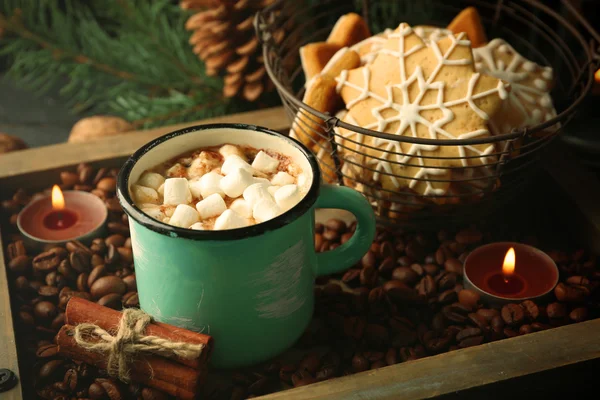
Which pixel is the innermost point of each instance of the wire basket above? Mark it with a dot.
(533, 29)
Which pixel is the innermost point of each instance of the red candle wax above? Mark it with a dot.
(83, 215)
(535, 273)
(60, 219)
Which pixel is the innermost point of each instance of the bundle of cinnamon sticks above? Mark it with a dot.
(174, 375)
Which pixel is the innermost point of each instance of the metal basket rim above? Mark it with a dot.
(332, 121)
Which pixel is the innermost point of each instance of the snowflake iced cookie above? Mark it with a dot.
(427, 91)
(529, 102)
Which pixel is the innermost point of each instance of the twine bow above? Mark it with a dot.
(129, 341)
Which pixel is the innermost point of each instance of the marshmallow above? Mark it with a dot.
(198, 226)
(233, 163)
(176, 171)
(273, 189)
(209, 184)
(293, 169)
(282, 178)
(194, 185)
(241, 206)
(161, 189)
(153, 211)
(265, 210)
(205, 162)
(236, 181)
(211, 206)
(287, 196)
(262, 180)
(255, 192)
(301, 180)
(229, 150)
(230, 220)
(177, 191)
(265, 163)
(151, 180)
(184, 216)
(143, 194)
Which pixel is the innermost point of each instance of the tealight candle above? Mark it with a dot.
(506, 272)
(62, 217)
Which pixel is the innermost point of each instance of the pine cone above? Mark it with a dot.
(225, 41)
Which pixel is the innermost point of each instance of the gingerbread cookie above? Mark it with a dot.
(529, 102)
(322, 96)
(314, 57)
(427, 91)
(469, 22)
(348, 30)
(431, 33)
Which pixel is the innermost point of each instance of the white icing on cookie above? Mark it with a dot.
(408, 114)
(431, 33)
(528, 93)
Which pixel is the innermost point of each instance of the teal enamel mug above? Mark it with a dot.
(250, 288)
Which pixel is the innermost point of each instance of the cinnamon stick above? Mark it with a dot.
(159, 373)
(80, 310)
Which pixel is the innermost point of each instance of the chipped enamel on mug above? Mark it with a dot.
(250, 288)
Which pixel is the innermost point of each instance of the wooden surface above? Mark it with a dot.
(8, 350)
(461, 369)
(446, 374)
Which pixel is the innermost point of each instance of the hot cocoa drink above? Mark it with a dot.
(220, 187)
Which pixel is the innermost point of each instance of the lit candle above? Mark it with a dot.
(596, 84)
(509, 272)
(72, 215)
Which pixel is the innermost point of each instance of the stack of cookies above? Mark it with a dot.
(418, 82)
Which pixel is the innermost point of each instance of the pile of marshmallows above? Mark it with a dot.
(257, 199)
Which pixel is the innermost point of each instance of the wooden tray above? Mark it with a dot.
(538, 361)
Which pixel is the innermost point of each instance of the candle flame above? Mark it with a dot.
(508, 267)
(597, 76)
(58, 200)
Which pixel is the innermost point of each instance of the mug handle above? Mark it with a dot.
(346, 255)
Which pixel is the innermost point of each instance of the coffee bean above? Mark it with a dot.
(45, 310)
(331, 235)
(336, 225)
(112, 255)
(96, 260)
(15, 249)
(96, 391)
(378, 364)
(431, 269)
(437, 345)
(58, 321)
(130, 281)
(117, 227)
(571, 293)
(302, 378)
(418, 269)
(387, 250)
(510, 333)
(112, 300)
(69, 179)
(360, 363)
(387, 266)
(368, 276)
(487, 313)
(447, 281)
(512, 314)
(46, 261)
(467, 333)
(65, 269)
(107, 184)
(131, 299)
(453, 265)
(427, 286)
(85, 173)
(326, 372)
(440, 257)
(538, 326)
(98, 246)
(404, 261)
(405, 275)
(468, 298)
(112, 204)
(525, 329)
(578, 314)
(456, 313)
(106, 285)
(415, 251)
(70, 379)
(468, 236)
(36, 285)
(448, 296)
(50, 369)
(126, 254)
(311, 363)
(22, 285)
(47, 351)
(368, 260)
(497, 323)
(471, 341)
(556, 311)
(19, 265)
(286, 372)
(97, 272)
(111, 387)
(80, 261)
(400, 292)
(532, 312)
(76, 245)
(48, 291)
(578, 280)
